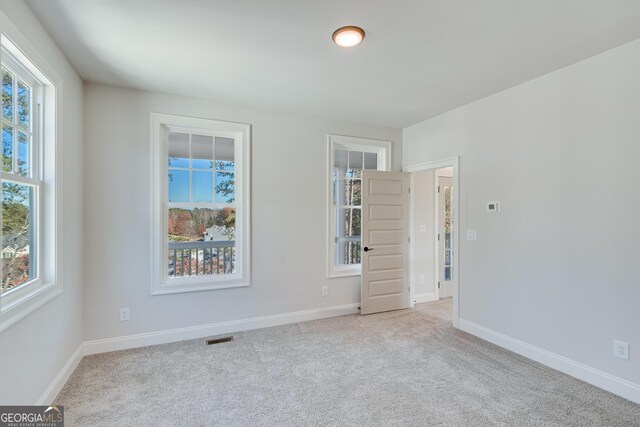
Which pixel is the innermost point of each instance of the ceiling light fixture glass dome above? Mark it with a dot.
(348, 36)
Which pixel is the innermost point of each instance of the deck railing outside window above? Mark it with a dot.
(201, 258)
(352, 249)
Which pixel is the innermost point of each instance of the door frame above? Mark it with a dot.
(424, 166)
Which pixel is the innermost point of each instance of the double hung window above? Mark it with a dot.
(201, 203)
(27, 173)
(348, 158)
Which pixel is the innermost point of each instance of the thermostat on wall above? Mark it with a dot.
(493, 207)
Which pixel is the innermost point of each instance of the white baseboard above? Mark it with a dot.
(193, 332)
(424, 297)
(60, 380)
(604, 380)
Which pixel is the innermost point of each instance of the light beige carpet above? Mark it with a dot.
(403, 368)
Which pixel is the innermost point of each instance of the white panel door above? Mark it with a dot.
(385, 237)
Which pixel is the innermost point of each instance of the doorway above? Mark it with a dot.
(434, 236)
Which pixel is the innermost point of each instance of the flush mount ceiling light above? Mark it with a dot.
(348, 36)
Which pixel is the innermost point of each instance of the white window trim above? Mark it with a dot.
(383, 150)
(17, 304)
(241, 133)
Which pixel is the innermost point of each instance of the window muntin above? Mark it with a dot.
(348, 157)
(200, 228)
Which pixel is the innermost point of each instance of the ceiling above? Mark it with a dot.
(420, 58)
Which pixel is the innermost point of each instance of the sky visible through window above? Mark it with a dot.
(201, 169)
(203, 186)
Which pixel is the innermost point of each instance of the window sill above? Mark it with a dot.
(178, 288)
(344, 273)
(22, 308)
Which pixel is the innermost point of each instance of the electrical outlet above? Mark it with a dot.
(325, 291)
(621, 349)
(124, 315)
(422, 279)
(422, 229)
(472, 235)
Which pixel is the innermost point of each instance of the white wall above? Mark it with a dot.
(558, 266)
(289, 170)
(34, 350)
(422, 263)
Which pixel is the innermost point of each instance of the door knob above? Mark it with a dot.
(367, 249)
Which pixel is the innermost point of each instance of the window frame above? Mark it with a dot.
(334, 142)
(29, 67)
(161, 124)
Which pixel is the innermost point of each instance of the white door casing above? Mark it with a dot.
(385, 241)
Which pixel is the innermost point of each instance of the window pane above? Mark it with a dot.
(23, 153)
(347, 248)
(336, 183)
(447, 209)
(18, 236)
(355, 159)
(355, 164)
(225, 154)
(178, 186)
(7, 94)
(7, 148)
(351, 222)
(347, 164)
(24, 105)
(371, 161)
(354, 173)
(201, 152)
(341, 159)
(352, 192)
(202, 187)
(178, 150)
(201, 241)
(225, 187)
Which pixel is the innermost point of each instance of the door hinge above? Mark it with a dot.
(438, 236)
(409, 239)
(409, 188)
(438, 188)
(438, 285)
